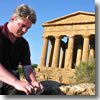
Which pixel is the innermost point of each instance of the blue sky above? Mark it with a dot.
(46, 10)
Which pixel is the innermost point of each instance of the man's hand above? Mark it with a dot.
(9, 78)
(37, 85)
(24, 86)
(29, 73)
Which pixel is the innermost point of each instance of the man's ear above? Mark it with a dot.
(12, 19)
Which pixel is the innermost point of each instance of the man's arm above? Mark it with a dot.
(29, 73)
(7, 77)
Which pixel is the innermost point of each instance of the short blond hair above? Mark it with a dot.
(24, 11)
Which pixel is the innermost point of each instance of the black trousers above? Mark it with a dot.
(6, 89)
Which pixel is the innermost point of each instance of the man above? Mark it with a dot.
(14, 49)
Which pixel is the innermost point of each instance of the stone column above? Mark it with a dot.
(44, 52)
(91, 51)
(55, 61)
(68, 62)
(92, 48)
(79, 55)
(66, 53)
(62, 58)
(50, 53)
(85, 49)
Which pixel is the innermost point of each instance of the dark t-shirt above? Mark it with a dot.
(11, 54)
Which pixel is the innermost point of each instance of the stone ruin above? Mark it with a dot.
(58, 64)
(79, 30)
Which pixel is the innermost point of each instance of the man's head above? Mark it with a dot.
(24, 11)
(21, 20)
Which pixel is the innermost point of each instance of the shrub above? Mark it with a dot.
(34, 66)
(85, 72)
(20, 70)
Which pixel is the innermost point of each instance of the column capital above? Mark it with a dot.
(46, 37)
(57, 37)
(86, 36)
(71, 36)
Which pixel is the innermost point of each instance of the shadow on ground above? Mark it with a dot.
(51, 88)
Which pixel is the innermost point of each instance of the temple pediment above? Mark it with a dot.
(74, 18)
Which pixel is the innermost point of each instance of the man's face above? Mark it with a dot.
(20, 26)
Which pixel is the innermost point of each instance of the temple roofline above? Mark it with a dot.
(67, 16)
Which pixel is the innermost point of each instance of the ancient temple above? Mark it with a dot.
(79, 31)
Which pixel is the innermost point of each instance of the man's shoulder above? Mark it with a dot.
(5, 24)
(1, 31)
(23, 43)
(1, 27)
(23, 40)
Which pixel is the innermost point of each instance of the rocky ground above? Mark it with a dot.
(56, 74)
(55, 88)
(57, 82)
